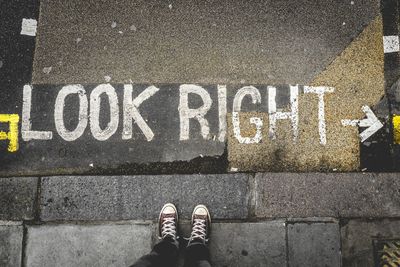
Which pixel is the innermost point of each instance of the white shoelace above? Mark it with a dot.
(199, 230)
(168, 227)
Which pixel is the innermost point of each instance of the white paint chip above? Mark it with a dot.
(29, 27)
(107, 78)
(391, 44)
(113, 24)
(351, 2)
(78, 40)
(133, 28)
(170, 6)
(47, 70)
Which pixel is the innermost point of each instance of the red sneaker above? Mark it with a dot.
(167, 222)
(201, 225)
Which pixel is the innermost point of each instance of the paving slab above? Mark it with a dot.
(357, 239)
(141, 197)
(314, 244)
(248, 244)
(86, 245)
(241, 244)
(331, 195)
(18, 198)
(10, 245)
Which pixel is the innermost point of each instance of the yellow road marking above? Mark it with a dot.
(396, 129)
(12, 135)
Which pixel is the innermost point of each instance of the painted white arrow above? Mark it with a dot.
(371, 123)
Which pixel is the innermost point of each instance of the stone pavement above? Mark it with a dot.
(319, 220)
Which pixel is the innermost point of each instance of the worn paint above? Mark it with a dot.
(222, 112)
(131, 111)
(28, 27)
(320, 91)
(90, 114)
(12, 134)
(391, 44)
(371, 123)
(254, 93)
(112, 126)
(396, 129)
(275, 115)
(186, 113)
(59, 112)
(26, 128)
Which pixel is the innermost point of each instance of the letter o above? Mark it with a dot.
(59, 112)
(97, 132)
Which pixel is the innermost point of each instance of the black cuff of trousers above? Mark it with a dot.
(168, 249)
(197, 252)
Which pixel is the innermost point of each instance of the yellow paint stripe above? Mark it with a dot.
(12, 134)
(396, 129)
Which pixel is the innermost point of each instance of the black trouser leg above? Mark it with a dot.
(164, 254)
(197, 255)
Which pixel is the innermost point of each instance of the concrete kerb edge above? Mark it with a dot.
(251, 200)
(11, 223)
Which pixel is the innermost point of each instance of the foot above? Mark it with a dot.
(201, 223)
(167, 222)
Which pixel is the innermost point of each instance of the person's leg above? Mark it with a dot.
(165, 253)
(197, 253)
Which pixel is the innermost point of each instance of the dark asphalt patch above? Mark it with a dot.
(88, 153)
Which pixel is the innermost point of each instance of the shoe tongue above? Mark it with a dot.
(168, 215)
(200, 217)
